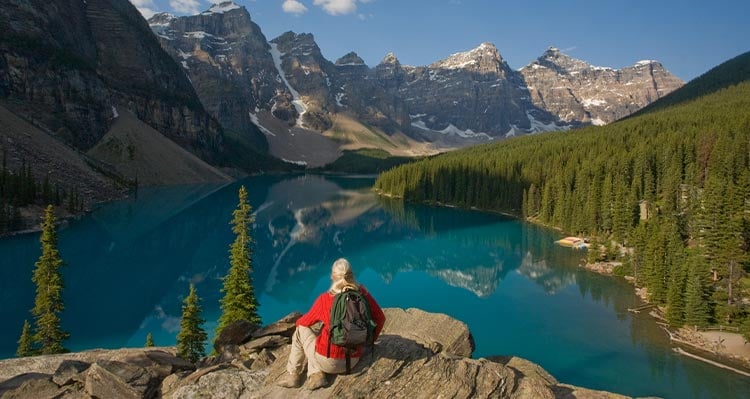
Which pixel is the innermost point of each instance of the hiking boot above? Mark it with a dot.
(290, 381)
(315, 381)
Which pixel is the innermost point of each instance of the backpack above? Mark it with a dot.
(351, 323)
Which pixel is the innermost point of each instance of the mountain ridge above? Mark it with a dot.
(466, 98)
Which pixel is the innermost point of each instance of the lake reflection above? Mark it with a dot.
(129, 265)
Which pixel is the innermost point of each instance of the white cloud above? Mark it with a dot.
(337, 7)
(185, 6)
(146, 7)
(146, 12)
(293, 7)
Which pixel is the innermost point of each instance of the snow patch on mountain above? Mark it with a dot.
(256, 122)
(299, 105)
(221, 8)
(452, 130)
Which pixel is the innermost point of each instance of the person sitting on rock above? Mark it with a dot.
(313, 350)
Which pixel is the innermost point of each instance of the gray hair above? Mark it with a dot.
(342, 277)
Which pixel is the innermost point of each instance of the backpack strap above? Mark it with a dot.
(330, 337)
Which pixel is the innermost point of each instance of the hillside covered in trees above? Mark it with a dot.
(673, 185)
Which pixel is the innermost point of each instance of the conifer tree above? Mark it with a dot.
(191, 338)
(26, 342)
(149, 341)
(49, 285)
(239, 301)
(675, 297)
(696, 306)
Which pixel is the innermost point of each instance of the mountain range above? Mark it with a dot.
(285, 86)
(96, 78)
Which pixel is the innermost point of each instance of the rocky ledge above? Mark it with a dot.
(418, 355)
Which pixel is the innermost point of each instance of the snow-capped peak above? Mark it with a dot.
(220, 8)
(389, 58)
(645, 62)
(472, 57)
(161, 19)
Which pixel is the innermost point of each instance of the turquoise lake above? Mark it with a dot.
(129, 264)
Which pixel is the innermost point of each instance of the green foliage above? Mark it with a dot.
(239, 302)
(149, 341)
(49, 285)
(696, 304)
(26, 342)
(745, 329)
(192, 338)
(732, 72)
(367, 160)
(19, 188)
(689, 165)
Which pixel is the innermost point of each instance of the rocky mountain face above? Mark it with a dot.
(466, 98)
(230, 64)
(415, 353)
(575, 91)
(66, 65)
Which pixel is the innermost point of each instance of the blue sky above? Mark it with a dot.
(688, 37)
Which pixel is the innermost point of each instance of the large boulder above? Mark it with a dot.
(436, 331)
(236, 333)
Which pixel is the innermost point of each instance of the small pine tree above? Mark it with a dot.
(239, 301)
(191, 338)
(150, 341)
(26, 342)
(49, 285)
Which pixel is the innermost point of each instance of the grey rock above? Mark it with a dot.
(269, 341)
(15, 382)
(36, 388)
(236, 333)
(225, 383)
(452, 337)
(139, 379)
(67, 370)
(284, 327)
(102, 383)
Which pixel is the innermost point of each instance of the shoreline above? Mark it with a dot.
(684, 341)
(723, 360)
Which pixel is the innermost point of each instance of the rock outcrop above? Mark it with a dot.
(67, 65)
(228, 61)
(418, 355)
(576, 91)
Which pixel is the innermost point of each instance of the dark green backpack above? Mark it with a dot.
(351, 324)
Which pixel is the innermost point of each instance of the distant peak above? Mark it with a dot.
(645, 62)
(389, 58)
(221, 8)
(484, 52)
(161, 19)
(350, 58)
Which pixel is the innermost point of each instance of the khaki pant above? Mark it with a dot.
(303, 351)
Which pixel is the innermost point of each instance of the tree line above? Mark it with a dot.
(46, 336)
(672, 187)
(19, 188)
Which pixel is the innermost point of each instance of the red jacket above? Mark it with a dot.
(321, 311)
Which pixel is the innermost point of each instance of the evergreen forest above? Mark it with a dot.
(669, 190)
